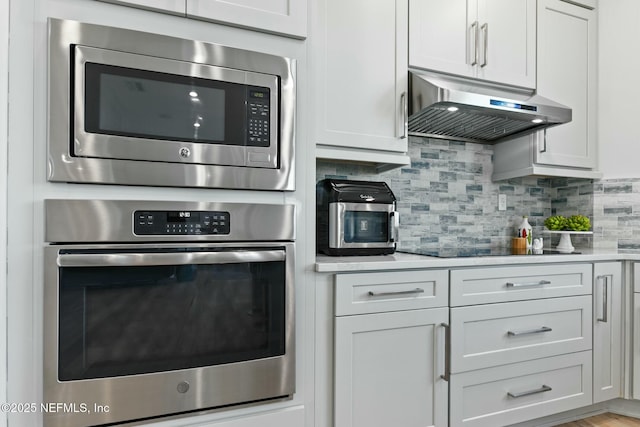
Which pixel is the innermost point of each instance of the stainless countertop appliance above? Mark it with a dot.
(130, 107)
(355, 218)
(154, 309)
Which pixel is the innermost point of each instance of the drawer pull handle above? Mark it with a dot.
(529, 331)
(392, 293)
(524, 285)
(530, 392)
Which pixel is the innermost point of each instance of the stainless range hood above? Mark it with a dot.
(473, 111)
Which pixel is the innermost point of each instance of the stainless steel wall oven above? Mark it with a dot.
(160, 308)
(128, 107)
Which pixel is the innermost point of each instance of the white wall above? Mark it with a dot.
(619, 88)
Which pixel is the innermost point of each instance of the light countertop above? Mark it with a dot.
(400, 260)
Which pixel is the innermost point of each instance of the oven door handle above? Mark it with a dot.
(181, 258)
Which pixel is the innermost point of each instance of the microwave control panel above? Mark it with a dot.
(159, 223)
(258, 118)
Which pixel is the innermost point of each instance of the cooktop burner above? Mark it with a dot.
(480, 252)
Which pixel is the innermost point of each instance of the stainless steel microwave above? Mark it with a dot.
(135, 108)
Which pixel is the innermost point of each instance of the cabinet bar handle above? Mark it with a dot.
(530, 392)
(404, 117)
(473, 30)
(524, 285)
(605, 300)
(386, 294)
(485, 30)
(447, 352)
(544, 141)
(529, 331)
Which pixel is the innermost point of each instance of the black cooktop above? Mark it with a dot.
(480, 252)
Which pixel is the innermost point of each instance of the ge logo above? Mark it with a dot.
(185, 152)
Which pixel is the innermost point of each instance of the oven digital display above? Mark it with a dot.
(183, 216)
(150, 223)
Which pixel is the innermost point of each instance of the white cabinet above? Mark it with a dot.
(389, 364)
(175, 7)
(608, 331)
(358, 67)
(523, 391)
(283, 17)
(498, 334)
(492, 40)
(287, 17)
(567, 48)
(516, 283)
(388, 367)
(521, 342)
(636, 331)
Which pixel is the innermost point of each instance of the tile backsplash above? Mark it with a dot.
(446, 198)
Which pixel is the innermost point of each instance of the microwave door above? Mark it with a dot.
(135, 107)
(361, 225)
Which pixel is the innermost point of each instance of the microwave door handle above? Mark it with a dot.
(394, 226)
(181, 258)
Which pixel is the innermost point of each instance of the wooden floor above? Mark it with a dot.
(604, 420)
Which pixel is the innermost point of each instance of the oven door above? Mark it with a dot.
(138, 107)
(151, 330)
(362, 225)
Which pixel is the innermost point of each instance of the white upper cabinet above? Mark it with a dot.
(283, 17)
(493, 40)
(359, 73)
(567, 49)
(175, 7)
(567, 64)
(286, 17)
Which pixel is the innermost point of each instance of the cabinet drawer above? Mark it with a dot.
(361, 293)
(497, 334)
(521, 391)
(502, 284)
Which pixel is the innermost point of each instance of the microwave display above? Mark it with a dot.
(145, 104)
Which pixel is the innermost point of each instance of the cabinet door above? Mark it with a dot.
(507, 41)
(567, 74)
(607, 331)
(388, 367)
(175, 7)
(443, 36)
(636, 343)
(360, 73)
(287, 17)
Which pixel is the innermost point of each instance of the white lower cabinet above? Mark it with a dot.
(518, 392)
(521, 342)
(636, 332)
(608, 331)
(389, 365)
(498, 334)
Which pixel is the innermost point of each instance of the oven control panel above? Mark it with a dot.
(180, 222)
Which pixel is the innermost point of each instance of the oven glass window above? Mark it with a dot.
(129, 320)
(145, 104)
(366, 227)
